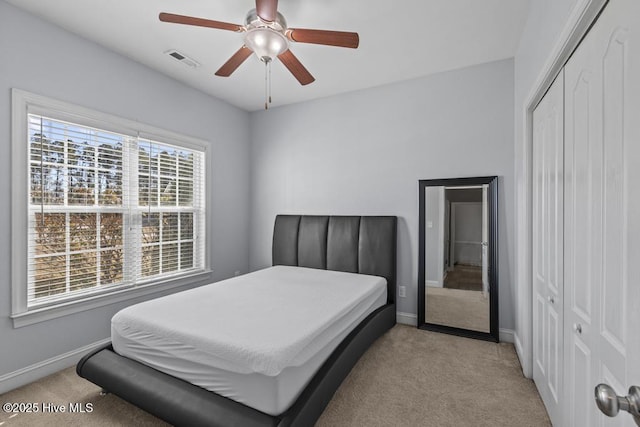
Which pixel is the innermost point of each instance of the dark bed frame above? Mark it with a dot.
(365, 245)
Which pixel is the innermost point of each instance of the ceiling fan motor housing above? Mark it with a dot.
(266, 39)
(266, 34)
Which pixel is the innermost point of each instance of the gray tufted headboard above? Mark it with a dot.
(355, 244)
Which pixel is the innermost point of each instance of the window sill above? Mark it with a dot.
(43, 314)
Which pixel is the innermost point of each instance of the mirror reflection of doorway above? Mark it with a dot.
(457, 231)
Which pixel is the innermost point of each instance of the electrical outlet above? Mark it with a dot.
(402, 291)
(236, 273)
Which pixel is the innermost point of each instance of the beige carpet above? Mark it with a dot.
(408, 377)
(457, 308)
(463, 276)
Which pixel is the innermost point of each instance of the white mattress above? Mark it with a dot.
(257, 339)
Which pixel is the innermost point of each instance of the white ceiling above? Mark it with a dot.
(399, 40)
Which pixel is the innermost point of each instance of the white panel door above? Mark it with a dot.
(602, 214)
(548, 165)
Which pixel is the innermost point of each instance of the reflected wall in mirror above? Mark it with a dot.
(457, 276)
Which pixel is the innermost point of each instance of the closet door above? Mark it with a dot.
(602, 214)
(548, 134)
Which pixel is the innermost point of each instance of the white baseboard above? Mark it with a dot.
(506, 335)
(407, 318)
(39, 370)
(520, 352)
(518, 346)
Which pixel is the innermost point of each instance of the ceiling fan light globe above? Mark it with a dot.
(265, 42)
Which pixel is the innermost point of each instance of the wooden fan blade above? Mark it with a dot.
(199, 22)
(295, 66)
(267, 10)
(234, 62)
(324, 37)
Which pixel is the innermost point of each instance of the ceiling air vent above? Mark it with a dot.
(183, 58)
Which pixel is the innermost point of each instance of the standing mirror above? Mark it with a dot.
(458, 263)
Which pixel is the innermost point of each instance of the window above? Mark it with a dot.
(110, 206)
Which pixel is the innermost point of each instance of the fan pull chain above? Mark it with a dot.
(267, 82)
(266, 85)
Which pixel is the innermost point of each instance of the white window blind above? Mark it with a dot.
(108, 210)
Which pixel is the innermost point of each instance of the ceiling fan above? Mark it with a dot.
(266, 34)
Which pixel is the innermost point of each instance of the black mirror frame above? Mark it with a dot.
(492, 199)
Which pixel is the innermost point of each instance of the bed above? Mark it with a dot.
(262, 368)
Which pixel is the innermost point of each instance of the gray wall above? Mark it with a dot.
(43, 59)
(545, 22)
(364, 152)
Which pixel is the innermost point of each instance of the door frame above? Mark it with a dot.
(441, 211)
(485, 241)
(584, 14)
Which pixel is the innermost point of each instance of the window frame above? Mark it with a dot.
(25, 103)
